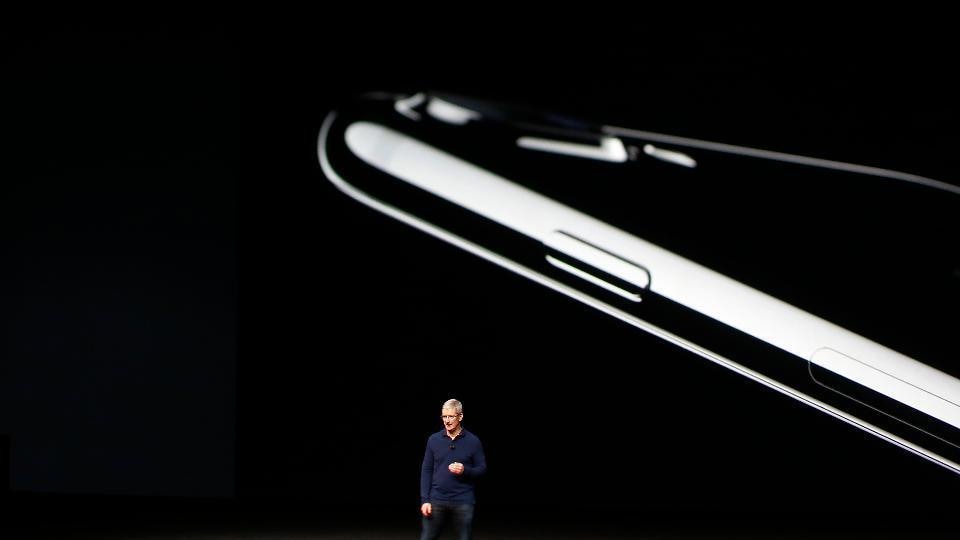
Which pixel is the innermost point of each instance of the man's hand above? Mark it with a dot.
(456, 468)
(426, 509)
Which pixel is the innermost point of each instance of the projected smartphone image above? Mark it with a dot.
(835, 284)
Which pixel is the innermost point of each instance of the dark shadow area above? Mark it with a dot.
(119, 228)
(35, 517)
(4, 466)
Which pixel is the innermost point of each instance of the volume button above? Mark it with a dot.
(597, 265)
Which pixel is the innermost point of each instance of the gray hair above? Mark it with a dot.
(453, 404)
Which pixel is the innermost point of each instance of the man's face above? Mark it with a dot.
(451, 420)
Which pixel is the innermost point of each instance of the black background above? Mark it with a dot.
(177, 162)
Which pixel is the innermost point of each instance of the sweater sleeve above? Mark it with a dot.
(426, 475)
(479, 466)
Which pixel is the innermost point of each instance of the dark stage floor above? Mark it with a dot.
(75, 517)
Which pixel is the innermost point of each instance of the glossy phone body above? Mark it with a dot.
(832, 283)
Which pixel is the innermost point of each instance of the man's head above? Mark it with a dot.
(451, 414)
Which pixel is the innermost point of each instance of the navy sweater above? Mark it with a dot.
(437, 483)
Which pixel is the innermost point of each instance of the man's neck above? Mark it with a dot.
(453, 434)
